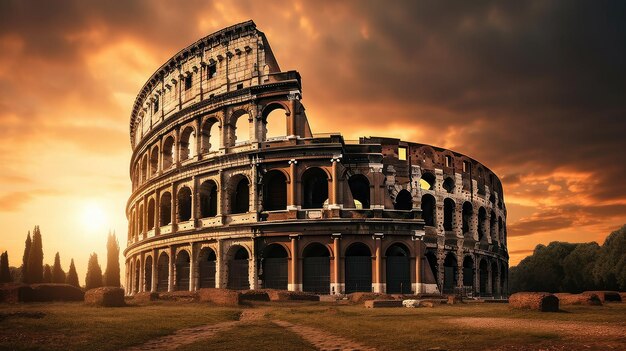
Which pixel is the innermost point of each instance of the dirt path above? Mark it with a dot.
(321, 339)
(190, 335)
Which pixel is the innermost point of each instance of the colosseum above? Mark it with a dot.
(232, 189)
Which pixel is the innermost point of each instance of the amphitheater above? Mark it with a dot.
(231, 189)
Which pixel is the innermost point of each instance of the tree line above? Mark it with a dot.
(33, 270)
(568, 267)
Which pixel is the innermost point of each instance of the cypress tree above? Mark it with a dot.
(35, 258)
(112, 273)
(58, 276)
(27, 246)
(47, 274)
(94, 273)
(5, 273)
(72, 277)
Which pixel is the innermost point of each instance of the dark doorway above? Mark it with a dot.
(404, 201)
(275, 267)
(206, 268)
(274, 191)
(450, 272)
(163, 273)
(238, 270)
(148, 274)
(360, 189)
(314, 188)
(398, 270)
(358, 272)
(316, 269)
(182, 271)
(484, 277)
(241, 197)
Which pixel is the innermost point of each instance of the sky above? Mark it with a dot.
(535, 90)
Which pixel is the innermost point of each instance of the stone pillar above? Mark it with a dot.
(220, 281)
(336, 286)
(199, 132)
(170, 276)
(157, 215)
(253, 273)
(292, 189)
(174, 209)
(155, 274)
(142, 272)
(378, 284)
(294, 284)
(193, 262)
(292, 127)
(419, 252)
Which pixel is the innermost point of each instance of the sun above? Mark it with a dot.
(93, 217)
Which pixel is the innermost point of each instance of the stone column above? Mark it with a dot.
(293, 284)
(142, 272)
(192, 267)
(220, 282)
(174, 209)
(253, 273)
(292, 190)
(336, 286)
(418, 247)
(155, 274)
(333, 201)
(170, 278)
(378, 284)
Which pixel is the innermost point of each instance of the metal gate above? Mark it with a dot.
(275, 273)
(182, 277)
(358, 273)
(207, 274)
(316, 275)
(238, 274)
(398, 275)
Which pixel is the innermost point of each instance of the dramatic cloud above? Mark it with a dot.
(534, 90)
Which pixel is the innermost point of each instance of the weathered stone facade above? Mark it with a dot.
(216, 202)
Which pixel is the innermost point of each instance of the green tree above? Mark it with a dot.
(112, 272)
(58, 275)
(94, 273)
(543, 270)
(578, 268)
(47, 274)
(611, 262)
(5, 273)
(35, 258)
(27, 246)
(72, 277)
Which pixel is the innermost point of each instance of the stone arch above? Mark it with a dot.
(140, 215)
(275, 267)
(241, 120)
(449, 210)
(184, 204)
(274, 191)
(482, 221)
(238, 266)
(166, 209)
(314, 188)
(316, 268)
(427, 181)
(403, 201)
(168, 152)
(239, 192)
(163, 272)
(397, 269)
(144, 168)
(183, 261)
(450, 273)
(429, 210)
(360, 189)
(493, 230)
(468, 211)
(154, 161)
(147, 273)
(208, 199)
(187, 143)
(483, 276)
(206, 268)
(137, 273)
(358, 268)
(468, 272)
(448, 185)
(210, 135)
(274, 121)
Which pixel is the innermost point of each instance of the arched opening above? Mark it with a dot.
(404, 201)
(500, 230)
(360, 189)
(208, 199)
(210, 140)
(137, 272)
(450, 273)
(448, 184)
(431, 257)
(166, 209)
(147, 274)
(240, 198)
(494, 279)
(163, 272)
(275, 119)
(140, 220)
(275, 272)
(238, 269)
(448, 214)
(144, 168)
(398, 271)
(187, 143)
(483, 276)
(242, 129)
(468, 211)
(428, 210)
(316, 269)
(168, 152)
(482, 221)
(493, 230)
(427, 182)
(314, 188)
(151, 214)
(358, 269)
(184, 204)
(274, 191)
(468, 273)
(206, 268)
(154, 161)
(182, 271)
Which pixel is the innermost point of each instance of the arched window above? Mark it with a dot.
(493, 230)
(154, 160)
(206, 268)
(182, 270)
(482, 221)
(275, 267)
(242, 129)
(240, 199)
(468, 211)
(468, 272)
(450, 273)
(314, 188)
(360, 189)
(187, 144)
(151, 214)
(184, 204)
(427, 182)
(398, 271)
(140, 219)
(166, 209)
(448, 184)
(168, 152)
(428, 210)
(208, 199)
(404, 201)
(238, 265)
(274, 191)
(358, 268)
(144, 168)
(163, 272)
(148, 274)
(448, 214)
(316, 269)
(210, 135)
(275, 120)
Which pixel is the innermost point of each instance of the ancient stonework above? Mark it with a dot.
(222, 198)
